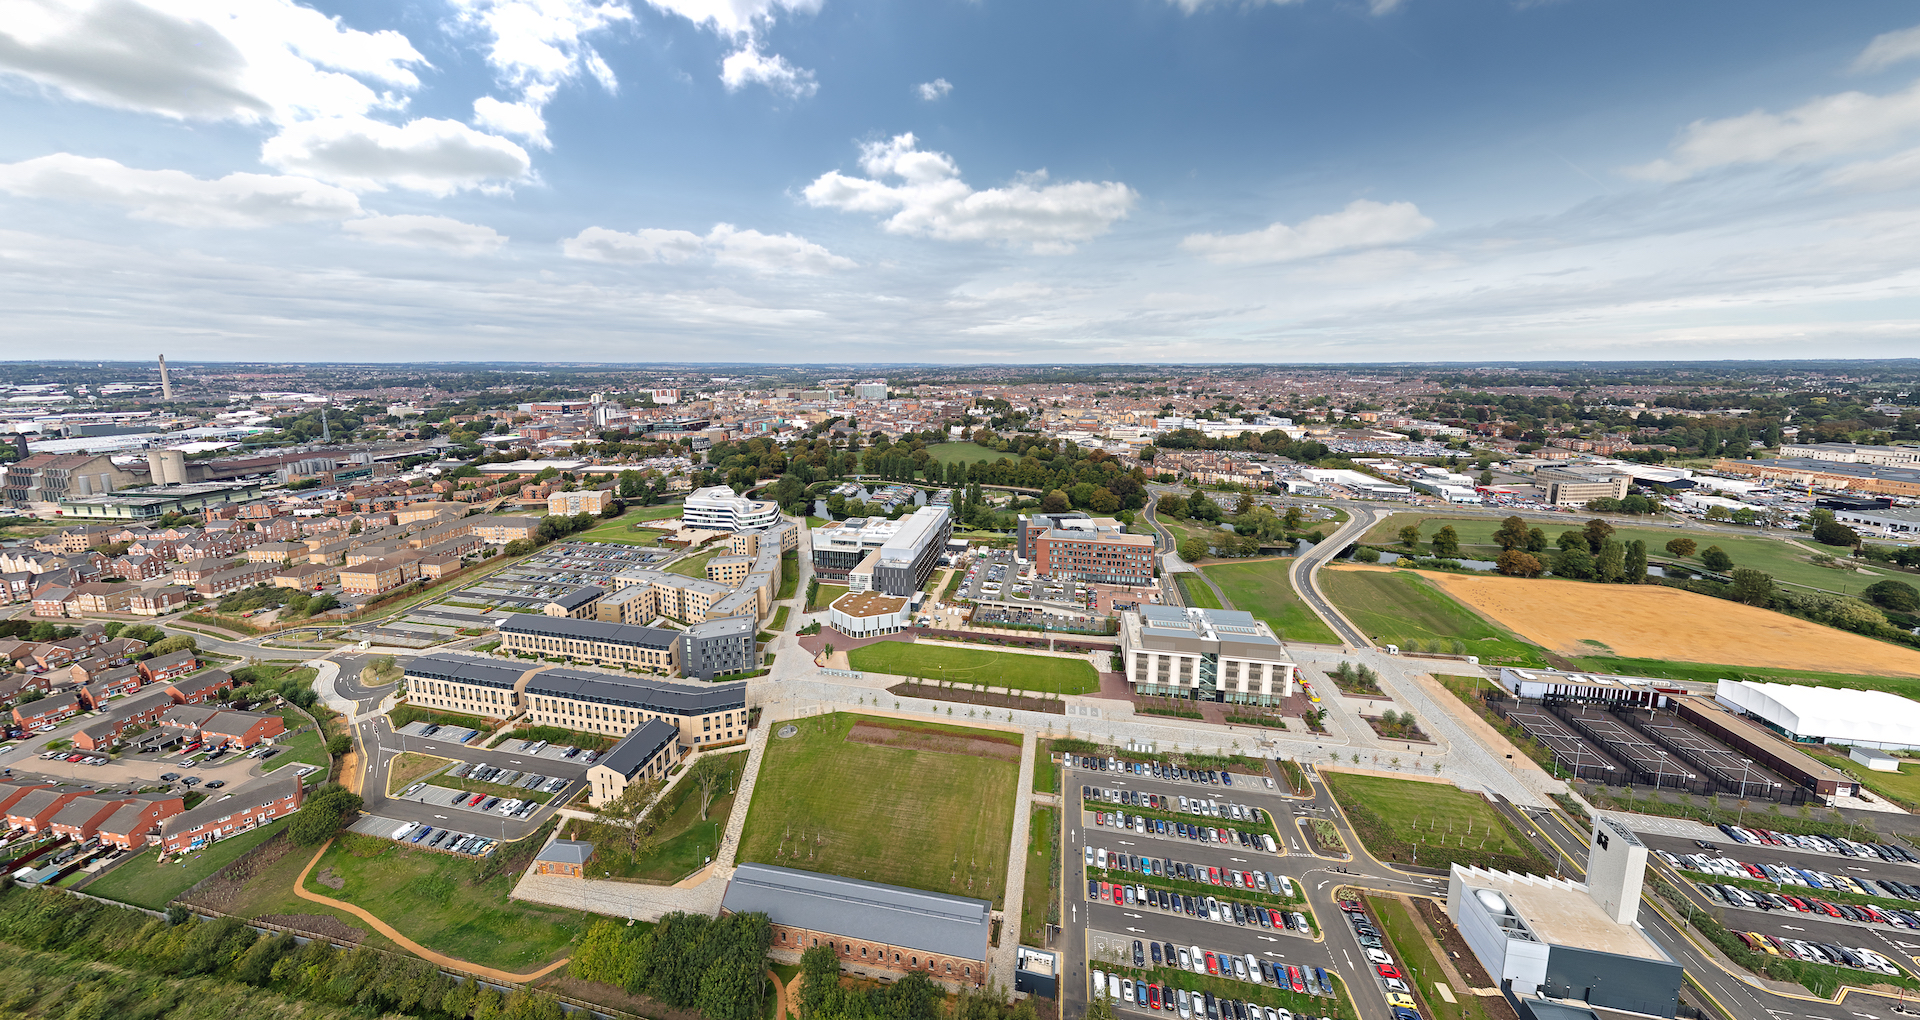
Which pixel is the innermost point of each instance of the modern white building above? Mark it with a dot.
(876, 554)
(871, 389)
(870, 614)
(1887, 521)
(1205, 654)
(1836, 715)
(717, 508)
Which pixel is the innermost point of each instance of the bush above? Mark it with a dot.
(325, 811)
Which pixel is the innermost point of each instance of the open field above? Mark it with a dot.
(1651, 621)
(695, 565)
(962, 453)
(686, 840)
(450, 904)
(977, 666)
(623, 530)
(922, 819)
(1197, 593)
(1431, 824)
(1265, 589)
(146, 884)
(1779, 558)
(1401, 607)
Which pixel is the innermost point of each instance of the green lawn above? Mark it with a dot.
(1041, 866)
(1902, 787)
(779, 619)
(1400, 607)
(625, 529)
(1776, 557)
(453, 905)
(146, 884)
(827, 594)
(1264, 588)
(977, 666)
(922, 819)
(686, 840)
(962, 453)
(695, 565)
(1403, 929)
(1198, 593)
(789, 575)
(306, 748)
(1433, 824)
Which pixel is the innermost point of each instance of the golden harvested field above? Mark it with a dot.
(1653, 622)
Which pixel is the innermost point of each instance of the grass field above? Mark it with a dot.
(444, 902)
(962, 453)
(1902, 787)
(622, 529)
(1400, 607)
(686, 841)
(922, 819)
(978, 666)
(1263, 588)
(1776, 557)
(1431, 824)
(146, 884)
(695, 565)
(1038, 894)
(1197, 593)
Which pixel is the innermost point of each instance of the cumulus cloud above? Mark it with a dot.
(1818, 129)
(726, 244)
(437, 232)
(435, 156)
(748, 65)
(932, 90)
(242, 60)
(1888, 49)
(534, 47)
(925, 196)
(1362, 224)
(733, 17)
(172, 196)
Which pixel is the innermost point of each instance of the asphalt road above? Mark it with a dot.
(384, 745)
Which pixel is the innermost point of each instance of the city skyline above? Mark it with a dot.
(763, 181)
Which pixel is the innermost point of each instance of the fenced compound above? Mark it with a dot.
(1732, 770)
(1574, 753)
(1644, 759)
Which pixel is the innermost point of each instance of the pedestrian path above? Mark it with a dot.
(1001, 958)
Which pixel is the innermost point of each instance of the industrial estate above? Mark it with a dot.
(1252, 693)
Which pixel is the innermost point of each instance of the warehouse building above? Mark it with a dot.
(1205, 654)
(1831, 715)
(876, 930)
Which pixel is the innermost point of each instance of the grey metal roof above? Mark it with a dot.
(578, 597)
(930, 922)
(642, 693)
(656, 638)
(637, 748)
(566, 851)
(465, 669)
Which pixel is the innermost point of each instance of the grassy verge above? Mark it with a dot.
(554, 735)
(408, 766)
(501, 790)
(789, 574)
(1422, 971)
(144, 883)
(1714, 811)
(1400, 607)
(881, 831)
(1046, 775)
(978, 666)
(779, 619)
(1196, 592)
(1043, 866)
(1430, 824)
(307, 748)
(404, 713)
(1265, 589)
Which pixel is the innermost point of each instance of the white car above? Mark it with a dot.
(1089, 855)
(1099, 984)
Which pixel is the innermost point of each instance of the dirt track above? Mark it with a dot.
(1654, 622)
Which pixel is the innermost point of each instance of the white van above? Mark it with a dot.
(403, 831)
(1099, 984)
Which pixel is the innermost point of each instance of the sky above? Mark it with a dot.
(961, 181)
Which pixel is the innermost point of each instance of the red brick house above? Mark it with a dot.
(155, 601)
(240, 729)
(11, 790)
(254, 805)
(139, 710)
(139, 566)
(52, 601)
(138, 820)
(111, 683)
(35, 811)
(200, 689)
(48, 711)
(162, 668)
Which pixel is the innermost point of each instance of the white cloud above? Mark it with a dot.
(1362, 224)
(1888, 49)
(244, 60)
(727, 244)
(439, 232)
(1820, 128)
(932, 90)
(930, 199)
(435, 156)
(1191, 6)
(171, 196)
(535, 47)
(749, 65)
(733, 17)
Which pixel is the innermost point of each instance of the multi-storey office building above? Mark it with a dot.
(718, 508)
(1205, 654)
(1085, 551)
(874, 554)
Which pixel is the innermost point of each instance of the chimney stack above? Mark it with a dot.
(166, 384)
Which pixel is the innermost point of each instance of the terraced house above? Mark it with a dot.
(230, 815)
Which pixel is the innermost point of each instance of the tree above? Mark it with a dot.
(1574, 561)
(324, 812)
(1172, 504)
(1512, 533)
(1716, 559)
(1193, 548)
(1598, 531)
(1200, 508)
(1446, 542)
(1486, 478)
(173, 643)
(338, 744)
(1611, 562)
(711, 778)
(1681, 547)
(1410, 536)
(1636, 568)
(821, 967)
(1752, 587)
(1515, 563)
(1573, 540)
(1898, 596)
(625, 812)
(1293, 519)
(1835, 533)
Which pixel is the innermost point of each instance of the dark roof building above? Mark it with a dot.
(881, 926)
(647, 695)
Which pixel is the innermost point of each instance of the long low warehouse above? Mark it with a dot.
(1766, 748)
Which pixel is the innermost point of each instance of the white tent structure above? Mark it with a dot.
(1836, 715)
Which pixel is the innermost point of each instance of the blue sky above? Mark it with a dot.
(958, 180)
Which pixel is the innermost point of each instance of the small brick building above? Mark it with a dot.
(879, 930)
(564, 857)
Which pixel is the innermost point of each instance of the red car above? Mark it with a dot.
(1153, 996)
(1293, 978)
(1119, 894)
(1213, 875)
(1213, 964)
(1350, 906)
(1388, 970)
(477, 798)
(1106, 889)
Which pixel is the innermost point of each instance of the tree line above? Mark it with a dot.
(687, 961)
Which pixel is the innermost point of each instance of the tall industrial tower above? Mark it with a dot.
(166, 384)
